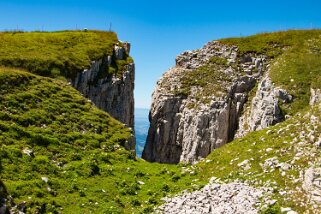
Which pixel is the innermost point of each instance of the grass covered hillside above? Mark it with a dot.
(59, 153)
(47, 129)
(54, 54)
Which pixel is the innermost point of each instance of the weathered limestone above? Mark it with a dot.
(312, 184)
(315, 96)
(229, 198)
(110, 93)
(263, 110)
(179, 133)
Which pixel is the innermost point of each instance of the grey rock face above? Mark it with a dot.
(119, 52)
(315, 96)
(215, 198)
(312, 184)
(264, 110)
(179, 133)
(110, 93)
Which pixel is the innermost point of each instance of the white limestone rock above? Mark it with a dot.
(264, 110)
(227, 198)
(112, 94)
(312, 184)
(180, 133)
(315, 96)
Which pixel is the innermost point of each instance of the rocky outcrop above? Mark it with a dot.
(312, 184)
(187, 128)
(315, 96)
(264, 109)
(109, 92)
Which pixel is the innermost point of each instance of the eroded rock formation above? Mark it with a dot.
(186, 128)
(263, 109)
(315, 96)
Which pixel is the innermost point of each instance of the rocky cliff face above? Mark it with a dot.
(109, 92)
(263, 110)
(187, 123)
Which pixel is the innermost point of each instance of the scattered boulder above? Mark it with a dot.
(45, 179)
(283, 95)
(246, 165)
(312, 184)
(315, 96)
(28, 151)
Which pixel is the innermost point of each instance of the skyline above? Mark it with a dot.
(161, 30)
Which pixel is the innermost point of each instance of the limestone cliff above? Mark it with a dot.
(110, 92)
(263, 110)
(187, 122)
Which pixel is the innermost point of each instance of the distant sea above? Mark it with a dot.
(141, 129)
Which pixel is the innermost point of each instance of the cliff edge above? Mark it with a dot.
(95, 62)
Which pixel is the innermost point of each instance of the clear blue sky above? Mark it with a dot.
(159, 30)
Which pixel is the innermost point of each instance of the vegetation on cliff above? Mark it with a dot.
(296, 64)
(62, 53)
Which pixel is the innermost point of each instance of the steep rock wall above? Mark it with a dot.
(111, 93)
(183, 129)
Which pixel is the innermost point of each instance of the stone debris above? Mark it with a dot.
(246, 165)
(28, 151)
(216, 198)
(270, 164)
(285, 209)
(141, 182)
(312, 184)
(315, 96)
(268, 149)
(45, 179)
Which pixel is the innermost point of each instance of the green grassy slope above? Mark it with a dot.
(77, 147)
(61, 53)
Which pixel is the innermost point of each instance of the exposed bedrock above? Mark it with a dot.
(111, 93)
(186, 127)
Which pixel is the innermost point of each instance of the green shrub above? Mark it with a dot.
(165, 188)
(42, 140)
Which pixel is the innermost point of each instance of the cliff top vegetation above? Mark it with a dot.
(61, 53)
